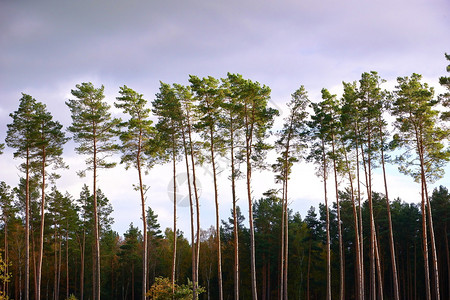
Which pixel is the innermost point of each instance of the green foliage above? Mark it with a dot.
(418, 130)
(292, 137)
(72, 297)
(5, 277)
(92, 126)
(162, 290)
(138, 136)
(22, 131)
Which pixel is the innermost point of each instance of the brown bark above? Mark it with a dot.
(249, 144)
(96, 274)
(235, 221)
(391, 231)
(191, 208)
(144, 220)
(174, 257)
(41, 232)
(216, 198)
(341, 247)
(328, 250)
(27, 227)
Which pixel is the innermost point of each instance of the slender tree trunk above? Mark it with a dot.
(431, 229)
(341, 249)
(327, 222)
(197, 208)
(216, 198)
(41, 235)
(67, 260)
(96, 275)
(286, 239)
(191, 207)
(235, 221)
(83, 248)
(309, 269)
(132, 281)
(55, 279)
(425, 245)
(447, 252)
(361, 238)
(359, 287)
(59, 265)
(27, 227)
(282, 257)
(144, 221)
(379, 272)
(391, 231)
(174, 257)
(6, 284)
(248, 142)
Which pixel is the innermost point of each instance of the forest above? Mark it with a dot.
(358, 244)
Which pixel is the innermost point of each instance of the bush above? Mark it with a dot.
(162, 290)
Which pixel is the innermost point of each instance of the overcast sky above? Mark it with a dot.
(47, 47)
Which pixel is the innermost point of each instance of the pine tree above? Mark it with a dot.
(167, 108)
(207, 93)
(49, 148)
(232, 128)
(258, 119)
(419, 133)
(139, 149)
(93, 128)
(21, 136)
(290, 144)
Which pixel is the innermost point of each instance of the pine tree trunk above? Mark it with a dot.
(359, 293)
(248, 144)
(216, 199)
(361, 237)
(327, 222)
(191, 208)
(379, 272)
(27, 227)
(391, 231)
(235, 221)
(286, 239)
(83, 248)
(96, 275)
(341, 249)
(432, 238)
(447, 252)
(144, 221)
(67, 260)
(282, 257)
(41, 232)
(197, 209)
(174, 257)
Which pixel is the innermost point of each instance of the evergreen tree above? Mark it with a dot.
(167, 108)
(139, 148)
(290, 145)
(258, 119)
(21, 135)
(49, 147)
(93, 128)
(419, 133)
(209, 97)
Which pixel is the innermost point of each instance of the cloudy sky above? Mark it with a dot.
(47, 47)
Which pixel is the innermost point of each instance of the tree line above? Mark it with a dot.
(375, 249)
